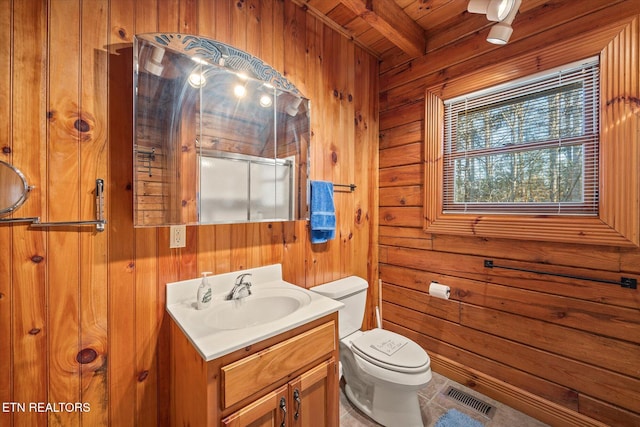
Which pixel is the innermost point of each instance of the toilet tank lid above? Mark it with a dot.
(341, 288)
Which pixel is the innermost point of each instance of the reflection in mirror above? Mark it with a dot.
(220, 137)
(13, 188)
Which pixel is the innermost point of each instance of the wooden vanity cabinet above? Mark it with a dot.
(290, 378)
(268, 411)
(305, 401)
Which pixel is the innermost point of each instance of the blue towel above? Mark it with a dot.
(323, 212)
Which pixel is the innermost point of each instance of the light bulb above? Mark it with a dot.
(239, 91)
(265, 101)
(197, 79)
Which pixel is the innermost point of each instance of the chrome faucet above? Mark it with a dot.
(241, 289)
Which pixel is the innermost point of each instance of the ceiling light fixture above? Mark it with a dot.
(292, 108)
(154, 64)
(501, 11)
(496, 10)
(501, 32)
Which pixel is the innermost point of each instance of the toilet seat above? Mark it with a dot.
(391, 351)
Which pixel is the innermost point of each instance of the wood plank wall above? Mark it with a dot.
(82, 313)
(562, 350)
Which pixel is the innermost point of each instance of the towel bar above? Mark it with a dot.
(625, 282)
(351, 187)
(99, 222)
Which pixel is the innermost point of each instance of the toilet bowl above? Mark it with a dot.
(383, 370)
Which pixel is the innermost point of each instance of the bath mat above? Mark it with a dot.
(455, 418)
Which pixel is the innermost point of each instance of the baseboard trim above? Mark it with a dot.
(532, 405)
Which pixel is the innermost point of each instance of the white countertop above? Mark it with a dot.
(212, 343)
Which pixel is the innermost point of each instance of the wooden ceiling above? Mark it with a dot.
(404, 28)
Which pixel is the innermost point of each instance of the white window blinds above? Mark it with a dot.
(529, 147)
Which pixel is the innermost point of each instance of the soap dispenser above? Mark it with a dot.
(204, 292)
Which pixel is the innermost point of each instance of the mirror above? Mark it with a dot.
(13, 188)
(220, 137)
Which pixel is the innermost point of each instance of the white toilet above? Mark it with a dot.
(383, 370)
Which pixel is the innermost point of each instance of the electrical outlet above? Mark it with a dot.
(178, 236)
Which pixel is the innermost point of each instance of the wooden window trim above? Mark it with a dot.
(618, 221)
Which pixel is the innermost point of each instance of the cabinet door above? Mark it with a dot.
(268, 411)
(314, 397)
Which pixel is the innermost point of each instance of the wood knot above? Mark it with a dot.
(561, 315)
(81, 126)
(1, 295)
(334, 157)
(143, 376)
(37, 259)
(51, 115)
(350, 97)
(6, 150)
(35, 331)
(131, 265)
(86, 355)
(128, 187)
(122, 33)
(336, 93)
(359, 216)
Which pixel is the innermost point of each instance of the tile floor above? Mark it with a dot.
(434, 404)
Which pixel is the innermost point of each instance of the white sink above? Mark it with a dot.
(262, 306)
(274, 306)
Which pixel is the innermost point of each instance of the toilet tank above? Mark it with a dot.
(352, 292)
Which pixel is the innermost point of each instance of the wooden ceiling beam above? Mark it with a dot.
(392, 22)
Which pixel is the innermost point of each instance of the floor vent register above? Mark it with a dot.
(470, 401)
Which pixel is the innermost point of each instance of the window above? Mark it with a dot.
(530, 146)
(612, 183)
